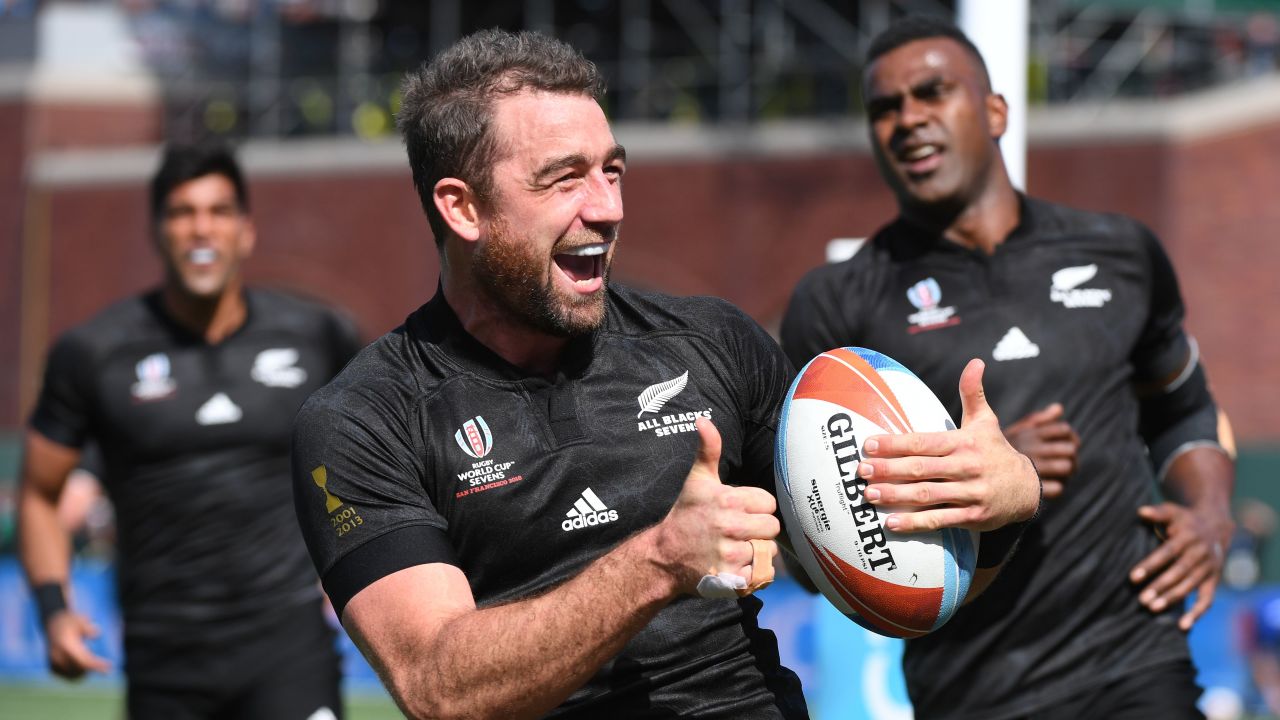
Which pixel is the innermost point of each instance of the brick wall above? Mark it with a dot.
(743, 228)
(1224, 230)
(12, 161)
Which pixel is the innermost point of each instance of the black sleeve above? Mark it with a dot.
(64, 409)
(815, 320)
(1177, 411)
(358, 483)
(92, 462)
(765, 376)
(1163, 348)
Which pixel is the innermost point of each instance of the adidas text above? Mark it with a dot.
(589, 520)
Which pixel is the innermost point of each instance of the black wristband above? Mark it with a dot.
(997, 546)
(49, 600)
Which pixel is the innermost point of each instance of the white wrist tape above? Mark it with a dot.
(730, 585)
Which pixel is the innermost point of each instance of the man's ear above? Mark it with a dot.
(997, 115)
(248, 238)
(457, 204)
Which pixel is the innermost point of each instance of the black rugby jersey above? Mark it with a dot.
(430, 448)
(195, 449)
(1073, 307)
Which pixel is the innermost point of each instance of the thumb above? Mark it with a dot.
(1156, 513)
(1036, 418)
(87, 627)
(87, 660)
(1048, 413)
(973, 399)
(708, 457)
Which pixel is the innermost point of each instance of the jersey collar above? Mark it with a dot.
(907, 240)
(437, 326)
(154, 302)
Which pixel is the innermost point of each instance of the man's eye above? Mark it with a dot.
(930, 92)
(879, 109)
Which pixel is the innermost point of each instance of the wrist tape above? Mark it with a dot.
(729, 585)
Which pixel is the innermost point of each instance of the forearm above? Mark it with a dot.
(524, 658)
(44, 546)
(1202, 478)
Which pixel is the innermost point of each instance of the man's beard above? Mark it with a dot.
(509, 272)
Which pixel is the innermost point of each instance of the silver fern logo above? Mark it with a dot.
(655, 396)
(1065, 288)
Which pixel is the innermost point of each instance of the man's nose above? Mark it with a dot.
(913, 112)
(202, 223)
(603, 204)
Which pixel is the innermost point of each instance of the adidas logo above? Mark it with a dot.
(1015, 345)
(588, 511)
(219, 410)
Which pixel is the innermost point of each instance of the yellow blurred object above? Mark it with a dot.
(370, 120)
(220, 116)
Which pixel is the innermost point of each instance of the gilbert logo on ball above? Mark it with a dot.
(897, 584)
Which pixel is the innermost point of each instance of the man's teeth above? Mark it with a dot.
(202, 255)
(921, 152)
(588, 250)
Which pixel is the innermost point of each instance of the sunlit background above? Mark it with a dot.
(748, 157)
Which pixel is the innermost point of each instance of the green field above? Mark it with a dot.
(101, 702)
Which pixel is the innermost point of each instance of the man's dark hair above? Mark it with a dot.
(446, 108)
(182, 163)
(922, 27)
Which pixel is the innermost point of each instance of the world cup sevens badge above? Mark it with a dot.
(474, 438)
(486, 473)
(154, 381)
(926, 296)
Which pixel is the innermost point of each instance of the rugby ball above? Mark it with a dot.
(897, 584)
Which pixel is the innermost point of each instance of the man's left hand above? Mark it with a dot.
(970, 478)
(1190, 558)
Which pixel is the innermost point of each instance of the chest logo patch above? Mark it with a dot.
(926, 296)
(154, 382)
(1064, 287)
(474, 438)
(587, 511)
(655, 396)
(1015, 345)
(278, 367)
(219, 410)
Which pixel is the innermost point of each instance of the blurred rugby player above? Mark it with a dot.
(189, 391)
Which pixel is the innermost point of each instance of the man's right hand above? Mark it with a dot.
(1050, 442)
(712, 526)
(69, 656)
